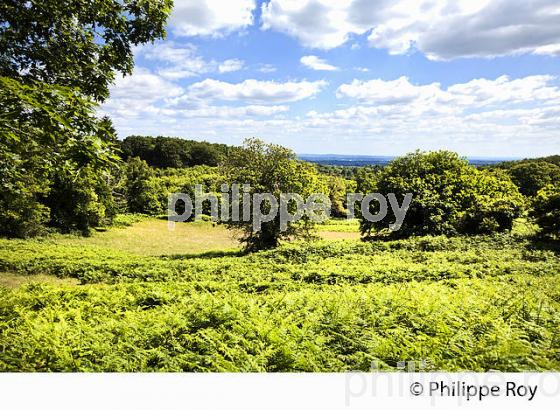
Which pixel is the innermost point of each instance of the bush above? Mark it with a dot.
(531, 177)
(449, 196)
(338, 189)
(546, 210)
(474, 303)
(81, 200)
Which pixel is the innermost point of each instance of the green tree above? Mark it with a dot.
(80, 200)
(76, 43)
(49, 135)
(57, 60)
(546, 210)
(338, 189)
(167, 152)
(204, 154)
(140, 191)
(273, 169)
(532, 176)
(493, 205)
(448, 196)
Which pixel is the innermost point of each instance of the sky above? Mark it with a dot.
(368, 77)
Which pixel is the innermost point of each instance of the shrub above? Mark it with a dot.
(546, 210)
(80, 200)
(448, 196)
(531, 177)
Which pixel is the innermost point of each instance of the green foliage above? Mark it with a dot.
(546, 210)
(126, 220)
(53, 148)
(272, 169)
(338, 189)
(448, 196)
(141, 191)
(165, 152)
(346, 172)
(551, 159)
(80, 200)
(76, 43)
(532, 176)
(463, 303)
(57, 60)
(184, 180)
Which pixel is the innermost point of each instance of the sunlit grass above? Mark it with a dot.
(152, 237)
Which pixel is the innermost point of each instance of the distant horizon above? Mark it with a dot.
(341, 156)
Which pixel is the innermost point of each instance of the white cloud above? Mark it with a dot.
(399, 91)
(315, 23)
(255, 91)
(230, 65)
(441, 29)
(145, 96)
(530, 89)
(211, 17)
(233, 112)
(551, 49)
(316, 63)
(267, 68)
(501, 116)
(474, 94)
(144, 85)
(176, 61)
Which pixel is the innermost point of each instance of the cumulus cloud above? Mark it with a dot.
(255, 91)
(267, 68)
(475, 93)
(144, 85)
(176, 61)
(441, 29)
(316, 63)
(488, 114)
(211, 17)
(399, 91)
(146, 96)
(315, 23)
(230, 65)
(233, 112)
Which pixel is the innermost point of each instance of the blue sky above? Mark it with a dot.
(373, 77)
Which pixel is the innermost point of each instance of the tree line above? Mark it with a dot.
(167, 152)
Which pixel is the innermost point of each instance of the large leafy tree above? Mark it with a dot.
(449, 196)
(51, 141)
(57, 60)
(273, 169)
(76, 43)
